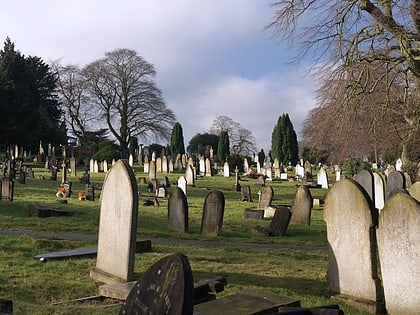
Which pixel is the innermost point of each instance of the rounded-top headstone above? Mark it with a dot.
(167, 287)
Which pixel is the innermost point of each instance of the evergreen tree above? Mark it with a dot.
(177, 140)
(29, 106)
(223, 146)
(284, 144)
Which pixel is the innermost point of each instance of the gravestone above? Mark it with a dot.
(161, 192)
(279, 223)
(167, 287)
(302, 206)
(130, 160)
(159, 165)
(265, 198)
(189, 175)
(261, 180)
(72, 166)
(30, 172)
(226, 172)
(178, 211)
(202, 166)
(322, 178)
(246, 193)
(182, 184)
(352, 252)
(208, 167)
(22, 175)
(117, 225)
(365, 179)
(7, 188)
(398, 165)
(91, 163)
(379, 190)
(105, 166)
(415, 191)
(95, 166)
(213, 211)
(399, 253)
(152, 170)
(246, 165)
(90, 192)
(164, 164)
(171, 166)
(394, 181)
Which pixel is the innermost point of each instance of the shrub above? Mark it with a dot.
(353, 165)
(108, 153)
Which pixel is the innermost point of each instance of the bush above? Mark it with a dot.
(411, 169)
(353, 165)
(108, 153)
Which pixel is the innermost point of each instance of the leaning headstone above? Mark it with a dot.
(379, 190)
(415, 191)
(399, 253)
(302, 206)
(365, 179)
(117, 225)
(265, 198)
(279, 223)
(352, 252)
(167, 287)
(178, 211)
(394, 181)
(7, 189)
(213, 211)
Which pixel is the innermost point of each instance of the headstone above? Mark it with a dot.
(202, 166)
(189, 175)
(302, 206)
(283, 176)
(261, 180)
(158, 165)
(130, 160)
(22, 175)
(322, 178)
(265, 198)
(161, 192)
(246, 193)
(253, 214)
(365, 179)
(152, 170)
(246, 165)
(213, 211)
(258, 167)
(379, 191)
(351, 222)
(167, 287)
(394, 181)
(415, 191)
(29, 172)
(90, 192)
(182, 184)
(184, 160)
(171, 166)
(73, 166)
(91, 162)
(146, 167)
(164, 164)
(7, 189)
(279, 223)
(208, 167)
(178, 211)
(226, 172)
(105, 166)
(117, 225)
(399, 253)
(398, 165)
(337, 175)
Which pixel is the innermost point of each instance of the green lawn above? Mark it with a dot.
(34, 286)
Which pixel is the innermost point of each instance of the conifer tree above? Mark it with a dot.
(177, 140)
(223, 146)
(284, 144)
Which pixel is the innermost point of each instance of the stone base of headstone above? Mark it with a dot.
(253, 214)
(6, 307)
(249, 301)
(369, 306)
(35, 210)
(118, 291)
(106, 277)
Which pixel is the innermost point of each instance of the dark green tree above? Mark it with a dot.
(284, 145)
(202, 142)
(177, 140)
(223, 146)
(29, 105)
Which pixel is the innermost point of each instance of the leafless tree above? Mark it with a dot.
(241, 140)
(72, 90)
(369, 34)
(122, 86)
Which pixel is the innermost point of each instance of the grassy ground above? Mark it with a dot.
(34, 286)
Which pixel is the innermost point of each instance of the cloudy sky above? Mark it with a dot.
(213, 58)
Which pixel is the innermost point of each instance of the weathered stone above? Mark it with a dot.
(394, 181)
(351, 221)
(246, 193)
(42, 212)
(266, 197)
(213, 211)
(365, 179)
(302, 206)
(279, 223)
(379, 190)
(253, 214)
(178, 211)
(117, 225)
(415, 191)
(165, 288)
(399, 253)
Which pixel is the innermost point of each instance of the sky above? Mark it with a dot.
(212, 57)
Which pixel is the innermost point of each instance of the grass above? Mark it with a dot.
(34, 286)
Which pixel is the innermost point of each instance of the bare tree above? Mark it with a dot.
(241, 140)
(123, 88)
(72, 90)
(368, 34)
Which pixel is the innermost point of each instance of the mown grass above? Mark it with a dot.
(34, 286)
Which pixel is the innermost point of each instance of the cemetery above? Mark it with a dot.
(193, 240)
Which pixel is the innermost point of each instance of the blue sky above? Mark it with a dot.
(213, 58)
